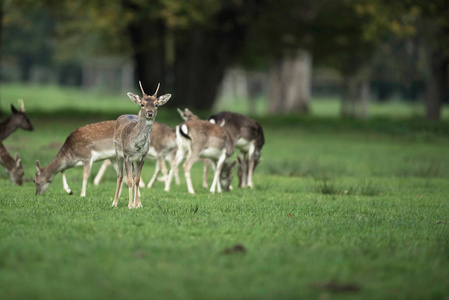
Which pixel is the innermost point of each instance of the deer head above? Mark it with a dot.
(226, 175)
(187, 114)
(16, 173)
(19, 116)
(41, 181)
(149, 104)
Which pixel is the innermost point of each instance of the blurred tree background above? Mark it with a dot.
(283, 50)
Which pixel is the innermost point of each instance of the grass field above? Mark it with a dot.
(340, 210)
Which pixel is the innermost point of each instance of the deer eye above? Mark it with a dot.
(142, 105)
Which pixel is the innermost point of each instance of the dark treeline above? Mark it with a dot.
(376, 47)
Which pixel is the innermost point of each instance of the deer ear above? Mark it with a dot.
(13, 109)
(135, 98)
(180, 112)
(18, 160)
(38, 168)
(163, 99)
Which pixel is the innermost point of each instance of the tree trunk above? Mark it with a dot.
(1, 39)
(148, 44)
(26, 64)
(201, 59)
(437, 83)
(355, 97)
(348, 97)
(364, 98)
(290, 84)
(147, 37)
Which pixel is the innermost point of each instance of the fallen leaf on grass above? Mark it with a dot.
(140, 254)
(338, 287)
(237, 248)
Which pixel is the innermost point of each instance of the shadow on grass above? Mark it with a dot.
(362, 188)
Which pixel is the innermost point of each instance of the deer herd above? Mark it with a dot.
(128, 141)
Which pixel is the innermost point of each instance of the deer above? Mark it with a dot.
(248, 137)
(162, 147)
(201, 139)
(83, 146)
(132, 142)
(18, 119)
(13, 165)
(188, 115)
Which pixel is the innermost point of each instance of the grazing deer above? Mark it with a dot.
(202, 139)
(162, 147)
(83, 146)
(18, 119)
(13, 166)
(248, 137)
(132, 142)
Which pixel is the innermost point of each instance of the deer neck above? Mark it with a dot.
(5, 158)
(142, 130)
(7, 127)
(58, 164)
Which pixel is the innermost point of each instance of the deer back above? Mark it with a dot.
(240, 127)
(204, 134)
(82, 142)
(163, 138)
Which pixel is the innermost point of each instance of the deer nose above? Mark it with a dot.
(149, 114)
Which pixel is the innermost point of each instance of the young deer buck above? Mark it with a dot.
(202, 139)
(132, 142)
(248, 137)
(13, 166)
(18, 119)
(83, 146)
(162, 147)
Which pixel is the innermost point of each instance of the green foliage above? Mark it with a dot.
(353, 223)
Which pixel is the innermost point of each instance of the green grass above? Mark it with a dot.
(340, 210)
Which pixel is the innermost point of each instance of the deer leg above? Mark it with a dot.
(187, 166)
(86, 172)
(177, 181)
(156, 172)
(251, 165)
(106, 163)
(178, 158)
(118, 191)
(141, 182)
(244, 177)
(205, 173)
(128, 169)
(163, 168)
(137, 170)
(218, 168)
(65, 184)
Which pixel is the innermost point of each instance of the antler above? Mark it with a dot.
(155, 93)
(21, 105)
(141, 88)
